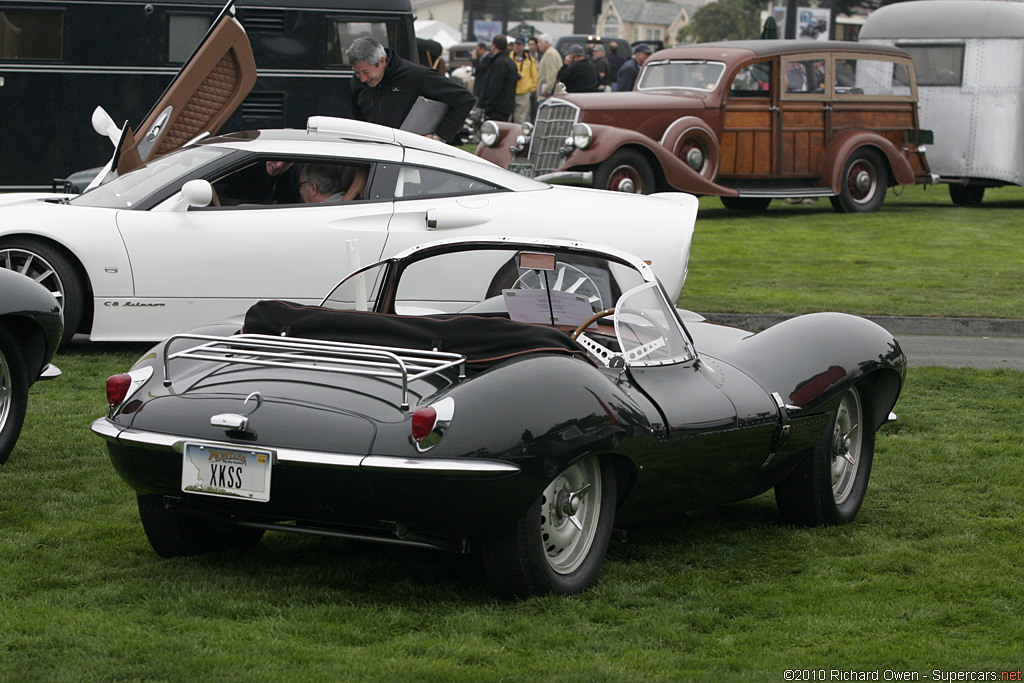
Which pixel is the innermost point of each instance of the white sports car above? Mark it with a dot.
(193, 233)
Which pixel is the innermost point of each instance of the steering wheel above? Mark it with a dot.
(590, 321)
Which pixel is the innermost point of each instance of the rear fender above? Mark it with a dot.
(843, 146)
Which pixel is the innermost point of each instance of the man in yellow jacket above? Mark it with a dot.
(527, 83)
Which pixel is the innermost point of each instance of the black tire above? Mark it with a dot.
(827, 489)
(13, 393)
(545, 552)
(625, 171)
(746, 204)
(864, 183)
(53, 270)
(966, 195)
(174, 535)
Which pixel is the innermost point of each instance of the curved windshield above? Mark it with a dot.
(542, 285)
(648, 330)
(124, 192)
(690, 75)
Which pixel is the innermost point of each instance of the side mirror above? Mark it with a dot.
(197, 193)
(104, 125)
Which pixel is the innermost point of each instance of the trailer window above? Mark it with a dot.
(872, 77)
(184, 32)
(340, 35)
(937, 64)
(31, 35)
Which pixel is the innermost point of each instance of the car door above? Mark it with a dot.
(207, 266)
(204, 94)
(432, 203)
(748, 127)
(719, 424)
(804, 114)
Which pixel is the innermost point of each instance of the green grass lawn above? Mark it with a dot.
(926, 578)
(918, 255)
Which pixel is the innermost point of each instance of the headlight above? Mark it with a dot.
(489, 133)
(527, 128)
(582, 136)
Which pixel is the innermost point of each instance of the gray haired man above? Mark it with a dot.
(385, 87)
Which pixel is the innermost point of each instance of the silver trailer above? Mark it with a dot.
(969, 57)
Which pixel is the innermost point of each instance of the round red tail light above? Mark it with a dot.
(117, 388)
(422, 422)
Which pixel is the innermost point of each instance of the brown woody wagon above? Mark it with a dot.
(749, 121)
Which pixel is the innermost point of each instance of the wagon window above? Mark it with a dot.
(937, 64)
(31, 35)
(753, 80)
(804, 76)
(872, 77)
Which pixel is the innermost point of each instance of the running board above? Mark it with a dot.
(785, 192)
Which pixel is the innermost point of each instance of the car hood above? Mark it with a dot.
(649, 113)
(16, 198)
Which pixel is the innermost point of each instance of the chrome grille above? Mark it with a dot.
(555, 119)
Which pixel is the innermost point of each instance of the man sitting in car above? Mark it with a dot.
(331, 183)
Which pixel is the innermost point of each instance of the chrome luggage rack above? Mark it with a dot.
(319, 355)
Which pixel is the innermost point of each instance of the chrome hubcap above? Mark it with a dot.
(862, 181)
(846, 446)
(570, 510)
(695, 159)
(625, 179)
(6, 391)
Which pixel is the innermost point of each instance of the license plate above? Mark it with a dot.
(230, 472)
(522, 169)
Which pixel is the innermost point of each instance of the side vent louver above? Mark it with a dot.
(262, 20)
(263, 105)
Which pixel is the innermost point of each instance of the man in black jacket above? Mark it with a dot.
(498, 97)
(386, 86)
(578, 74)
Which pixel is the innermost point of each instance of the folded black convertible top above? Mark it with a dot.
(483, 341)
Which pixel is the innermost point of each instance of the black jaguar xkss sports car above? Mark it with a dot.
(512, 397)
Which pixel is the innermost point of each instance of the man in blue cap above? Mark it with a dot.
(631, 69)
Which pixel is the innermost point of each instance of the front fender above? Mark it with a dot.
(845, 144)
(811, 359)
(610, 139)
(499, 154)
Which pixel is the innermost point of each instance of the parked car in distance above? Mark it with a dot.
(513, 397)
(969, 58)
(30, 332)
(748, 121)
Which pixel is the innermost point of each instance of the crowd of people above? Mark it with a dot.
(511, 82)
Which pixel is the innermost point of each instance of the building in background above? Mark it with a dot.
(639, 21)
